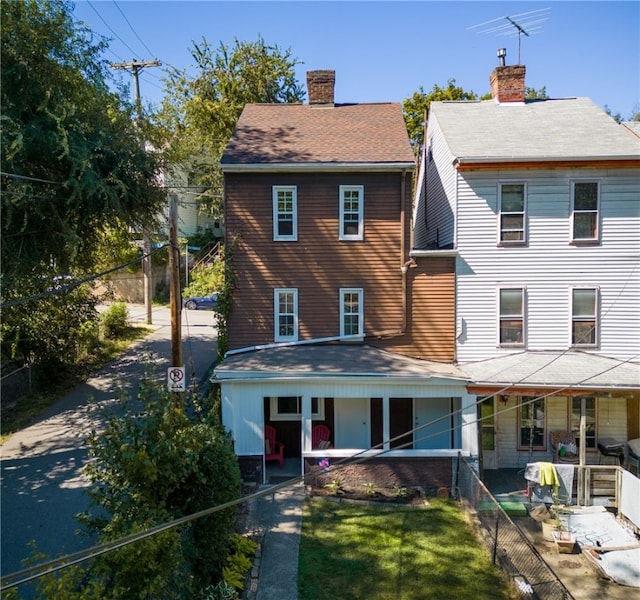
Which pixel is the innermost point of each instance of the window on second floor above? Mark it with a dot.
(584, 317)
(351, 311)
(285, 308)
(512, 321)
(585, 207)
(351, 212)
(513, 218)
(285, 213)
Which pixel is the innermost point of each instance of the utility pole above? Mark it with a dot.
(174, 290)
(135, 67)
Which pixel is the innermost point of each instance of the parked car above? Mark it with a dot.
(209, 302)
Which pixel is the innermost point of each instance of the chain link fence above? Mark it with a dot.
(509, 547)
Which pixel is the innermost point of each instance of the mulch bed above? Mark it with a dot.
(413, 497)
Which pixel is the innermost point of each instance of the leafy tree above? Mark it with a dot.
(155, 462)
(70, 147)
(73, 166)
(416, 108)
(533, 94)
(199, 112)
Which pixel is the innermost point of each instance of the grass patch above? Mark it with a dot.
(29, 407)
(380, 552)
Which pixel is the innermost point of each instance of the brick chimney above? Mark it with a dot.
(320, 86)
(507, 83)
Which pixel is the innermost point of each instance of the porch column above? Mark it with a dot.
(306, 423)
(386, 426)
(470, 424)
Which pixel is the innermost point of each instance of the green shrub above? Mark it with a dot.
(115, 320)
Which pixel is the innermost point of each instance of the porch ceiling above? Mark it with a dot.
(578, 370)
(330, 360)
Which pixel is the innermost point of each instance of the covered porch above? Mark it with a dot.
(375, 404)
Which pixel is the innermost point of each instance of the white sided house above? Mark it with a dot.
(539, 203)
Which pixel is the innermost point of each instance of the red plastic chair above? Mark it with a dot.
(320, 436)
(273, 449)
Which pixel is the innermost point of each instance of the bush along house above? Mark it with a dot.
(538, 204)
(333, 322)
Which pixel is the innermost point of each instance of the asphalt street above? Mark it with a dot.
(42, 485)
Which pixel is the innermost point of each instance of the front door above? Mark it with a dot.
(352, 423)
(488, 434)
(433, 421)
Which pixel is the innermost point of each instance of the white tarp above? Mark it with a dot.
(595, 528)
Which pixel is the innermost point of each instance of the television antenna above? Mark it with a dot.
(526, 23)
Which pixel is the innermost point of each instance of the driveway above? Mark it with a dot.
(42, 484)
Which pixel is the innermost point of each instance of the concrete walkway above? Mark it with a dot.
(276, 519)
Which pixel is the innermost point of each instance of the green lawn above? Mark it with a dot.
(380, 552)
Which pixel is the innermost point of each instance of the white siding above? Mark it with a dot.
(243, 414)
(441, 191)
(548, 266)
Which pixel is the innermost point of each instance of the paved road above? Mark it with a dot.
(42, 485)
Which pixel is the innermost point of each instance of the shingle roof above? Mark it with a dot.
(538, 130)
(298, 133)
(571, 369)
(329, 360)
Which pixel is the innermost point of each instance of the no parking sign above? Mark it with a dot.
(176, 380)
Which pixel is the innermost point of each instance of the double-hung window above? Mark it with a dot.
(512, 321)
(585, 208)
(285, 308)
(513, 221)
(584, 317)
(285, 213)
(351, 212)
(351, 311)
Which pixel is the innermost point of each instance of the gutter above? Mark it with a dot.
(317, 166)
(335, 338)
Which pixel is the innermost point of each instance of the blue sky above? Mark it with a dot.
(384, 51)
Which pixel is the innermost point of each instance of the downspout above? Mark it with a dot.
(404, 263)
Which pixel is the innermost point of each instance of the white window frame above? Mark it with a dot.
(344, 313)
(275, 415)
(502, 231)
(585, 211)
(278, 213)
(344, 213)
(521, 316)
(584, 318)
(278, 314)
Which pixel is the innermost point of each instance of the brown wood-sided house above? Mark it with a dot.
(318, 203)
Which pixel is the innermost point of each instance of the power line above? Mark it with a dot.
(70, 286)
(132, 29)
(133, 52)
(26, 178)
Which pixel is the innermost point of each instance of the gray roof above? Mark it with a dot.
(552, 369)
(524, 369)
(329, 360)
(632, 126)
(536, 130)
